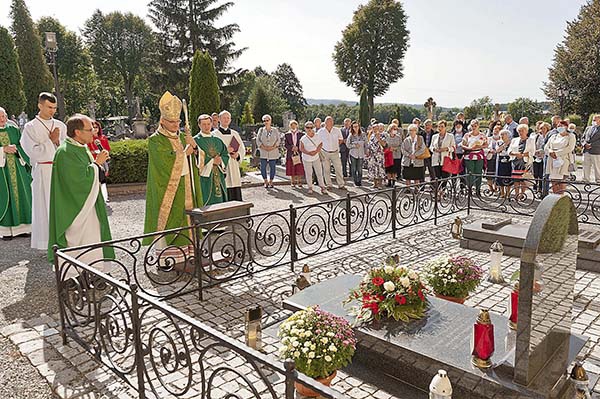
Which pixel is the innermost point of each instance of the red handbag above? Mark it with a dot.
(452, 165)
(388, 158)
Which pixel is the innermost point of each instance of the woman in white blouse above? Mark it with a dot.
(559, 149)
(521, 152)
(442, 146)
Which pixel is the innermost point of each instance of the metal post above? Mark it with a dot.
(137, 340)
(293, 254)
(196, 234)
(394, 211)
(59, 288)
(469, 189)
(290, 374)
(435, 201)
(348, 220)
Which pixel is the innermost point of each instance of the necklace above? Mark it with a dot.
(43, 124)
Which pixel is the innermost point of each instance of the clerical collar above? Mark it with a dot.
(71, 140)
(166, 133)
(205, 134)
(225, 131)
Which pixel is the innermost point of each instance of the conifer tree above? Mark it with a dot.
(247, 117)
(364, 114)
(35, 72)
(12, 98)
(203, 89)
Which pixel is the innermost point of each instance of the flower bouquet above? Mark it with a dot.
(319, 343)
(389, 292)
(453, 278)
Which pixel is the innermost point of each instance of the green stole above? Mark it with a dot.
(72, 179)
(15, 182)
(214, 190)
(168, 194)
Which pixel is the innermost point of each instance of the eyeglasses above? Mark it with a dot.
(309, 128)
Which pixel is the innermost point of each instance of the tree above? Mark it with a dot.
(186, 26)
(266, 98)
(247, 118)
(74, 66)
(525, 107)
(576, 63)
(372, 48)
(260, 102)
(122, 47)
(204, 88)
(12, 97)
(290, 86)
(364, 114)
(35, 72)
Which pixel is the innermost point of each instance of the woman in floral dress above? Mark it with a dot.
(375, 157)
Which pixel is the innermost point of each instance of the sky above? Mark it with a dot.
(459, 50)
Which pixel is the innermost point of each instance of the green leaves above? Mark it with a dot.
(12, 97)
(128, 161)
(204, 88)
(372, 48)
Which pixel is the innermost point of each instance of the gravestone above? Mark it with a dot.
(531, 362)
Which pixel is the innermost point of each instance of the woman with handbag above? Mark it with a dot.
(559, 149)
(413, 152)
(293, 161)
(442, 147)
(375, 156)
(267, 141)
(310, 147)
(393, 156)
(473, 144)
(521, 153)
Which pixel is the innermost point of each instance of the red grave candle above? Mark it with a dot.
(483, 340)
(514, 307)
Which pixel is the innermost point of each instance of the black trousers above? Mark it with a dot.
(234, 194)
(345, 161)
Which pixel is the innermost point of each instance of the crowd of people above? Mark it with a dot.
(509, 156)
(53, 175)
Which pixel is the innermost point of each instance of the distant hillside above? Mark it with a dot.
(316, 101)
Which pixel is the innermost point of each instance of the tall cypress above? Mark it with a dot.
(36, 75)
(12, 98)
(204, 88)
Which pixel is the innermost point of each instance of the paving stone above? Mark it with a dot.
(11, 329)
(31, 346)
(24, 336)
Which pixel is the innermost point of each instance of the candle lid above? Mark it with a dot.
(497, 247)
(484, 317)
(578, 373)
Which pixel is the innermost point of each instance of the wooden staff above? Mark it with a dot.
(190, 157)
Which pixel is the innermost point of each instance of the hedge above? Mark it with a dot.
(128, 161)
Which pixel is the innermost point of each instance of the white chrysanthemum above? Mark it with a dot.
(304, 350)
(313, 347)
(324, 340)
(388, 269)
(412, 275)
(328, 358)
(389, 286)
(311, 355)
(296, 354)
(295, 344)
(307, 344)
(307, 333)
(332, 348)
(405, 281)
(330, 334)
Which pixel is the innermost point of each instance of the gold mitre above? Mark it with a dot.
(170, 107)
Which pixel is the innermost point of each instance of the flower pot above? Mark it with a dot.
(451, 298)
(305, 391)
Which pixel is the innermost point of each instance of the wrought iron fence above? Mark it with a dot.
(159, 351)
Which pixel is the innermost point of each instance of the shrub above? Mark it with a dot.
(128, 162)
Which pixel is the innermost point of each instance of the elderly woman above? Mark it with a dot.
(293, 163)
(559, 149)
(393, 141)
(474, 144)
(458, 131)
(375, 158)
(442, 146)
(310, 147)
(267, 141)
(503, 165)
(413, 146)
(538, 159)
(491, 155)
(521, 152)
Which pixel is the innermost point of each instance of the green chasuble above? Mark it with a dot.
(73, 176)
(15, 181)
(168, 187)
(212, 177)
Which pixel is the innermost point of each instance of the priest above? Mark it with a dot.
(77, 209)
(15, 183)
(237, 151)
(169, 185)
(213, 158)
(41, 137)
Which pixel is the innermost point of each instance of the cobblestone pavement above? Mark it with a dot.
(28, 316)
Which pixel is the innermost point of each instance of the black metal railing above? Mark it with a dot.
(160, 351)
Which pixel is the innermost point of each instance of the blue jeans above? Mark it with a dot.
(263, 168)
(356, 169)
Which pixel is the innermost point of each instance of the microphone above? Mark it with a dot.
(99, 145)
